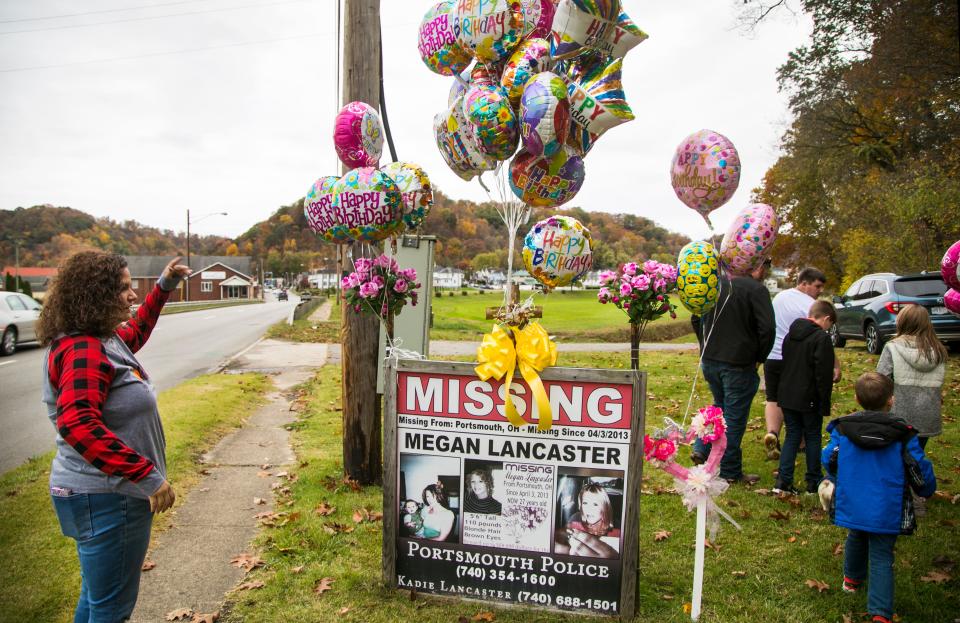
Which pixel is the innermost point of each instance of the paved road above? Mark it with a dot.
(182, 346)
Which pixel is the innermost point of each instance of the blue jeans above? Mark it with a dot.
(877, 549)
(112, 532)
(733, 389)
(806, 426)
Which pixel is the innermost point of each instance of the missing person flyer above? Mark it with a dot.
(491, 511)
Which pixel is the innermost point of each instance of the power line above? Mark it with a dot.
(152, 17)
(155, 54)
(133, 8)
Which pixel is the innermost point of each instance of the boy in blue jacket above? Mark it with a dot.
(874, 459)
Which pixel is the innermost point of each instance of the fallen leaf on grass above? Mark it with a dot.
(792, 539)
(281, 474)
(712, 546)
(661, 535)
(335, 528)
(944, 562)
(180, 614)
(343, 610)
(483, 616)
(246, 562)
(264, 474)
(296, 569)
(837, 549)
(687, 608)
(936, 576)
(945, 495)
(666, 597)
(147, 565)
(259, 501)
(949, 523)
(324, 585)
(762, 491)
(847, 618)
(780, 515)
(353, 484)
(263, 514)
(323, 509)
(818, 585)
(361, 515)
(246, 586)
(213, 617)
(738, 574)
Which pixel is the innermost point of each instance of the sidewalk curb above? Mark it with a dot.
(223, 365)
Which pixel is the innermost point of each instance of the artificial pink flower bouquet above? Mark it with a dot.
(640, 290)
(379, 286)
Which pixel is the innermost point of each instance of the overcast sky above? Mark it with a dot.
(228, 105)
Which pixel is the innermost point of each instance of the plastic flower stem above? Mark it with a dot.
(636, 331)
(698, 559)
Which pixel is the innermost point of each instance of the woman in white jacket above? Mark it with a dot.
(916, 361)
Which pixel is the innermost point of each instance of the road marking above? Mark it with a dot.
(3, 363)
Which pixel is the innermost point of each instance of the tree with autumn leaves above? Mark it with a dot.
(868, 177)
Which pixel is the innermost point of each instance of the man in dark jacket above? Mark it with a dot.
(735, 337)
(804, 394)
(875, 459)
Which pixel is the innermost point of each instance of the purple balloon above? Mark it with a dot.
(952, 301)
(950, 266)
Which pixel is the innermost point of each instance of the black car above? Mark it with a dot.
(868, 309)
(283, 296)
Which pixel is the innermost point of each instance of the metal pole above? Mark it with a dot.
(186, 284)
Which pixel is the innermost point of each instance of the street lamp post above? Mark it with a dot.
(196, 220)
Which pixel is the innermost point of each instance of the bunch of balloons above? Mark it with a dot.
(950, 271)
(367, 204)
(544, 86)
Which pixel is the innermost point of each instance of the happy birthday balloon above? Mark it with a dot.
(698, 277)
(438, 44)
(488, 109)
(556, 251)
(951, 301)
(705, 171)
(358, 135)
(582, 25)
(368, 203)
(489, 29)
(527, 60)
(545, 20)
(415, 189)
(626, 36)
(544, 114)
(546, 182)
(950, 266)
(321, 215)
(749, 238)
(458, 144)
(597, 103)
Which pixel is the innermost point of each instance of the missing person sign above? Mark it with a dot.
(477, 508)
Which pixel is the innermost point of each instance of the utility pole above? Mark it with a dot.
(186, 288)
(360, 333)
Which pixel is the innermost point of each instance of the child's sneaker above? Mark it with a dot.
(852, 586)
(780, 487)
(772, 443)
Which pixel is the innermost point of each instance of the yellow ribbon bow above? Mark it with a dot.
(530, 348)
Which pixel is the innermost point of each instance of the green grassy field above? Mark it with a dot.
(305, 330)
(571, 316)
(756, 575)
(40, 576)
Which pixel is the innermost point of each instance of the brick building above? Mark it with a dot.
(214, 278)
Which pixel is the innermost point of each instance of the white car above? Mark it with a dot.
(18, 319)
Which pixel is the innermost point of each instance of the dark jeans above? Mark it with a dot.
(112, 532)
(806, 426)
(733, 389)
(877, 550)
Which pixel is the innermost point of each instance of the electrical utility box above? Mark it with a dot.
(412, 324)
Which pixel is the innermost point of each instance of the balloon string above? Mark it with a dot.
(706, 340)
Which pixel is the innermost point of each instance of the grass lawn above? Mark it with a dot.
(304, 330)
(40, 577)
(569, 315)
(756, 575)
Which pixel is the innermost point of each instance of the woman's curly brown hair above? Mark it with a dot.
(85, 297)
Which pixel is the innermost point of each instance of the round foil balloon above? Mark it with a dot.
(950, 266)
(544, 114)
(320, 212)
(952, 301)
(527, 60)
(458, 144)
(749, 238)
(358, 135)
(438, 44)
(546, 182)
(415, 189)
(489, 29)
(557, 251)
(698, 277)
(488, 109)
(582, 25)
(541, 29)
(369, 204)
(705, 171)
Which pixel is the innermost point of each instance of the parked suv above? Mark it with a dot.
(868, 309)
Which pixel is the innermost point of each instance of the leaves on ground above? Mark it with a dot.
(936, 576)
(324, 585)
(147, 565)
(837, 549)
(661, 535)
(712, 546)
(361, 515)
(180, 614)
(213, 617)
(246, 561)
(343, 610)
(334, 527)
(259, 501)
(818, 585)
(779, 515)
(739, 574)
(246, 586)
(483, 616)
(792, 539)
(323, 509)
(297, 569)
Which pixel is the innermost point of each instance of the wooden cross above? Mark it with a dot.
(536, 312)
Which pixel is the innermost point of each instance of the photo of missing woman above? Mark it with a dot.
(429, 497)
(589, 512)
(479, 487)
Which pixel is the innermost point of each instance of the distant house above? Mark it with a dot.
(592, 279)
(447, 278)
(490, 277)
(323, 280)
(38, 278)
(214, 278)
